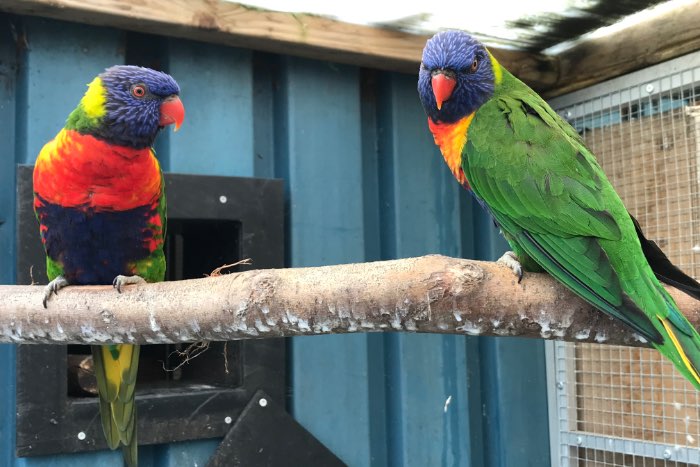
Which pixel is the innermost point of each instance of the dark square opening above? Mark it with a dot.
(193, 249)
(211, 221)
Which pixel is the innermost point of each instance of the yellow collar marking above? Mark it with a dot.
(93, 101)
(497, 70)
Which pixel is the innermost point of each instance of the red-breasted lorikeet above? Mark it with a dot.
(533, 173)
(98, 196)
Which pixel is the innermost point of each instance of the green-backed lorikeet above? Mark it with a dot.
(98, 196)
(533, 173)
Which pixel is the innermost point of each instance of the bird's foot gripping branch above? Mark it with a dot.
(426, 294)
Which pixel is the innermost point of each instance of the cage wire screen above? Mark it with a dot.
(614, 405)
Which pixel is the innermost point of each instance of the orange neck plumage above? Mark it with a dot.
(451, 138)
(78, 170)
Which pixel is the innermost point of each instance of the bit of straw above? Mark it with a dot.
(31, 275)
(192, 351)
(217, 271)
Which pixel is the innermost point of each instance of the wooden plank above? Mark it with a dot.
(8, 97)
(216, 139)
(667, 36)
(516, 426)
(420, 193)
(664, 37)
(217, 136)
(60, 63)
(8, 89)
(8, 355)
(427, 393)
(284, 33)
(318, 144)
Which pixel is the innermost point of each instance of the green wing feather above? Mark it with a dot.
(116, 367)
(554, 203)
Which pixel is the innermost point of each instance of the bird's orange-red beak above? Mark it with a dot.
(443, 86)
(172, 111)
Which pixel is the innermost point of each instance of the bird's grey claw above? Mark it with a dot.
(120, 281)
(510, 260)
(53, 287)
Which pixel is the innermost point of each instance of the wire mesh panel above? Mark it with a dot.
(617, 405)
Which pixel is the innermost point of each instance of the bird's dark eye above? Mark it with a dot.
(474, 66)
(138, 90)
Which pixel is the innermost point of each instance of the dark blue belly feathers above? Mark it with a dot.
(95, 246)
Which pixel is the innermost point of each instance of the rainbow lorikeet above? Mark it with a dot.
(99, 200)
(556, 208)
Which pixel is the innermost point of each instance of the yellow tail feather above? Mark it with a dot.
(684, 357)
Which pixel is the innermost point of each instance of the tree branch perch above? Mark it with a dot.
(427, 294)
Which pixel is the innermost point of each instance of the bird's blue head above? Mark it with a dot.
(456, 76)
(127, 105)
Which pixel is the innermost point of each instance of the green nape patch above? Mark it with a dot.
(91, 109)
(80, 121)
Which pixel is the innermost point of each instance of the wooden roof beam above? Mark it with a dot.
(303, 35)
(666, 36)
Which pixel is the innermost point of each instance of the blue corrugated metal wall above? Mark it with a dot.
(364, 182)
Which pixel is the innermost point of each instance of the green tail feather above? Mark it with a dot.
(130, 453)
(682, 342)
(118, 405)
(111, 434)
(670, 333)
(130, 449)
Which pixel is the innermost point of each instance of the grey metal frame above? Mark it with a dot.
(643, 83)
(687, 66)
